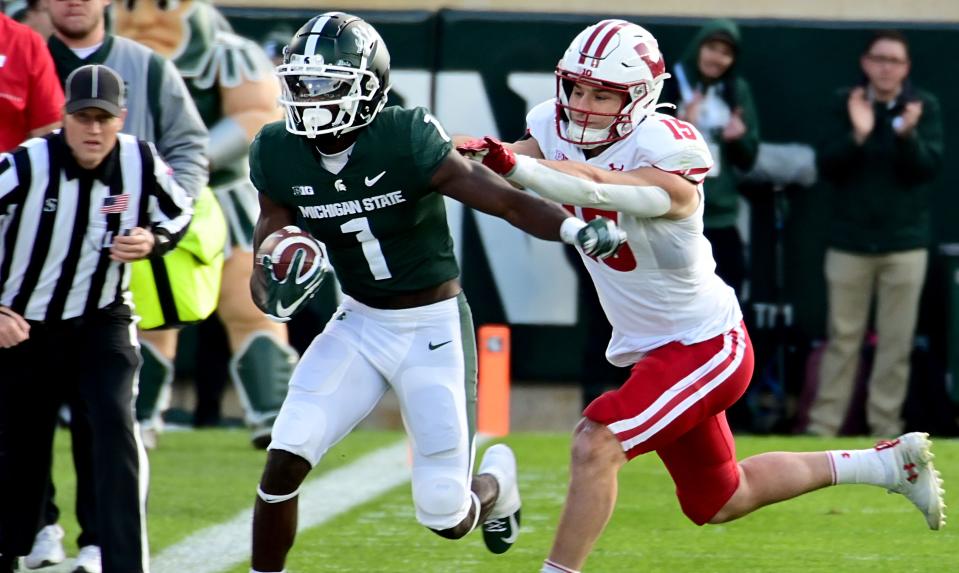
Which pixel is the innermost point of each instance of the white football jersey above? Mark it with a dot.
(662, 285)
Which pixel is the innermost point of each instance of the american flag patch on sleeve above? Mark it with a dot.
(115, 204)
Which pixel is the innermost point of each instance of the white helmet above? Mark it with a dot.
(615, 55)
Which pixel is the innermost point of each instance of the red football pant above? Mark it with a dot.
(674, 403)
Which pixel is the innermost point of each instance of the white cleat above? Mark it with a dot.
(47, 548)
(501, 528)
(918, 479)
(88, 560)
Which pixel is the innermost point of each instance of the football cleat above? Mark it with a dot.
(88, 560)
(47, 548)
(918, 479)
(501, 528)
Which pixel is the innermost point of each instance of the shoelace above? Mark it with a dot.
(497, 525)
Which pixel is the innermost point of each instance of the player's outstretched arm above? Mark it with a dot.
(646, 192)
(477, 187)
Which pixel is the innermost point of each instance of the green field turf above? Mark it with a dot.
(203, 478)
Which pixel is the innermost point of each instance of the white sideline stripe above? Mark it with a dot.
(220, 547)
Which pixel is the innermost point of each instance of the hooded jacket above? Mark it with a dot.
(722, 197)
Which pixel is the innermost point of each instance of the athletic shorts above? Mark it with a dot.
(674, 403)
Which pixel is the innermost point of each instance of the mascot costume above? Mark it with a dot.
(231, 81)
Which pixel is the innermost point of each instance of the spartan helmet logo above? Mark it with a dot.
(339, 185)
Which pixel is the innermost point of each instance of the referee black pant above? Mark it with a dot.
(92, 364)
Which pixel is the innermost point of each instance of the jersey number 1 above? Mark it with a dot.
(371, 247)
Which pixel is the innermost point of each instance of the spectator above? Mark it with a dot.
(73, 216)
(882, 145)
(33, 13)
(31, 99)
(710, 94)
(161, 111)
(229, 78)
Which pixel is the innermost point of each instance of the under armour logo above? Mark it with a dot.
(911, 474)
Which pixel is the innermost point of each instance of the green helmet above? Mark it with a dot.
(335, 75)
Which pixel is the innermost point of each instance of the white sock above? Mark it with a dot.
(862, 466)
(553, 567)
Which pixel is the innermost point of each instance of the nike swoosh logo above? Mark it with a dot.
(432, 347)
(287, 311)
(514, 530)
(371, 182)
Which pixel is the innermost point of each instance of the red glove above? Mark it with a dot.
(491, 153)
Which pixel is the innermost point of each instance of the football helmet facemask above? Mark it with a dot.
(335, 76)
(614, 55)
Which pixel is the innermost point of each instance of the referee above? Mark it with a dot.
(75, 206)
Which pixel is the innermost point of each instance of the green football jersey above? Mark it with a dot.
(384, 229)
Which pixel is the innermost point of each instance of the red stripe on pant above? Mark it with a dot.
(701, 385)
(632, 409)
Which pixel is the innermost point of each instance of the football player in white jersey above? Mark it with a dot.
(601, 148)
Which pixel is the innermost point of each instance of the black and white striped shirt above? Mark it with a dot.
(58, 220)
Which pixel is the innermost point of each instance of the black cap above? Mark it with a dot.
(95, 86)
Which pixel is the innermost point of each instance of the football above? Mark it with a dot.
(281, 247)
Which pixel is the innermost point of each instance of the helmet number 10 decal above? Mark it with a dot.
(680, 129)
(428, 118)
(371, 247)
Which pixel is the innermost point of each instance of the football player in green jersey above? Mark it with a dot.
(369, 181)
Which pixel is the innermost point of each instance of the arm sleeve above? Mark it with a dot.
(45, 100)
(920, 157)
(640, 201)
(182, 138)
(170, 209)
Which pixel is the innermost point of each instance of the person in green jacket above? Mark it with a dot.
(882, 146)
(709, 93)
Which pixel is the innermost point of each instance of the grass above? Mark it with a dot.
(202, 478)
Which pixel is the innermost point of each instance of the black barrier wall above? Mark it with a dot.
(480, 73)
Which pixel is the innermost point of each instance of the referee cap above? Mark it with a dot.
(95, 86)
